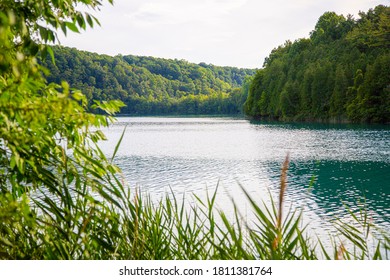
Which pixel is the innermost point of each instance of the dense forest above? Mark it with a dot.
(150, 86)
(340, 73)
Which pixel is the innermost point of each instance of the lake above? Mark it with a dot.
(331, 165)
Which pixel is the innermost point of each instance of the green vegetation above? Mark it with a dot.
(151, 86)
(48, 140)
(62, 198)
(340, 73)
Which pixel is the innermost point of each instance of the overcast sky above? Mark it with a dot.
(237, 33)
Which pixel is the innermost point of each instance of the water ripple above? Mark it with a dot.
(330, 165)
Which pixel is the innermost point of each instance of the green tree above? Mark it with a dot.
(338, 98)
(48, 140)
(329, 27)
(290, 100)
(340, 72)
(162, 81)
(376, 91)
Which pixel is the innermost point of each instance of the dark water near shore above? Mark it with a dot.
(345, 163)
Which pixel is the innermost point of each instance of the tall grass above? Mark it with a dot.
(112, 222)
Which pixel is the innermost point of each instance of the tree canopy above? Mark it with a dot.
(49, 158)
(149, 85)
(340, 73)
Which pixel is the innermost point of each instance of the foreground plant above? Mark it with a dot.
(48, 139)
(62, 198)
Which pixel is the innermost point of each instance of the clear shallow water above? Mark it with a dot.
(190, 155)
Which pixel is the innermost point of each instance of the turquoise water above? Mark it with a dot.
(347, 164)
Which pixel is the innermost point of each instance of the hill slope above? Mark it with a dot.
(150, 85)
(340, 73)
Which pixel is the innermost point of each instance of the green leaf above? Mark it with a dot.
(50, 51)
(89, 19)
(72, 26)
(81, 21)
(63, 27)
(118, 144)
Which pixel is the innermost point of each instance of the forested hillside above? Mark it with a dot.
(340, 73)
(150, 85)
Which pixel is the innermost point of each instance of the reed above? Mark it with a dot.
(109, 221)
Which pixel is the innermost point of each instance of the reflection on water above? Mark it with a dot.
(185, 155)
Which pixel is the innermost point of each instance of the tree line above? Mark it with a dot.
(149, 85)
(340, 73)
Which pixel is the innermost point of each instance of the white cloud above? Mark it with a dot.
(223, 32)
(173, 12)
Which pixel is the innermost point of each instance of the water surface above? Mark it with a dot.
(331, 165)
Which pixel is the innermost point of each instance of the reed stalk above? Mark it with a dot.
(109, 221)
